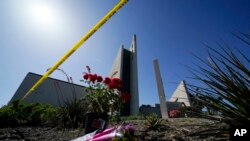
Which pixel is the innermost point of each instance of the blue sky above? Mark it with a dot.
(167, 30)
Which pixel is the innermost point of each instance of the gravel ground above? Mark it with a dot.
(179, 129)
(38, 134)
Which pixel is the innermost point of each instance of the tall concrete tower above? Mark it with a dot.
(125, 65)
(161, 93)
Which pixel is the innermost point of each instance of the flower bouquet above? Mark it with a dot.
(124, 132)
(105, 95)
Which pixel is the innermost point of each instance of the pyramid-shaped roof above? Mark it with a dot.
(181, 94)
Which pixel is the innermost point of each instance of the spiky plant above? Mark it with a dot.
(72, 114)
(153, 122)
(226, 76)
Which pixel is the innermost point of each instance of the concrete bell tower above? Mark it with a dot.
(125, 65)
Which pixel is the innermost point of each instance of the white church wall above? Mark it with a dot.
(52, 91)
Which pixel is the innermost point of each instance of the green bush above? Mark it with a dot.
(8, 117)
(34, 114)
(41, 114)
(19, 113)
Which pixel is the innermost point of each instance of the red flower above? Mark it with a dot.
(86, 76)
(116, 81)
(125, 97)
(111, 86)
(174, 113)
(92, 77)
(107, 80)
(99, 79)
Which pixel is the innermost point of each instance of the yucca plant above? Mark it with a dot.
(153, 122)
(72, 114)
(226, 79)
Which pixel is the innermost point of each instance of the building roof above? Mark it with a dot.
(52, 91)
(181, 94)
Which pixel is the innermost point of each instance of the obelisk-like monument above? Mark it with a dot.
(163, 105)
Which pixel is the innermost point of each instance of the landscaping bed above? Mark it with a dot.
(187, 129)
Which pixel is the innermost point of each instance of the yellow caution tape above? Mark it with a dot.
(77, 45)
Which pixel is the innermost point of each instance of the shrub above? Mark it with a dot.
(8, 117)
(226, 89)
(19, 113)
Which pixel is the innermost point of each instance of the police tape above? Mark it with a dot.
(76, 46)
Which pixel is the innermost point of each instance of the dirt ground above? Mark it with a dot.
(178, 129)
